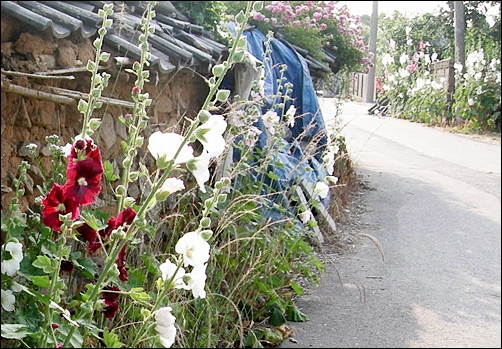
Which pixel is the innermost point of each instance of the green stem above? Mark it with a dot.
(54, 281)
(91, 97)
(139, 106)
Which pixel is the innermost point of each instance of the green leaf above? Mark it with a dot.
(273, 336)
(139, 295)
(297, 288)
(276, 317)
(272, 176)
(89, 268)
(293, 314)
(252, 339)
(41, 281)
(46, 264)
(14, 331)
(76, 340)
(111, 339)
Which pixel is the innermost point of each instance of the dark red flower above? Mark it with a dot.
(124, 275)
(110, 297)
(110, 301)
(55, 203)
(110, 310)
(66, 266)
(81, 148)
(123, 218)
(89, 235)
(83, 178)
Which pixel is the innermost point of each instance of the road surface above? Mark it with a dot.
(434, 206)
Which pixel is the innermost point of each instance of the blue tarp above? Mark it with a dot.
(309, 124)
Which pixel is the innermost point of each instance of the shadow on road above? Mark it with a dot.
(439, 285)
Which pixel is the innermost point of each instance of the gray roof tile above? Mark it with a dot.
(176, 42)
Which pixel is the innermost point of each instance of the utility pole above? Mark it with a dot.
(370, 91)
(459, 34)
(459, 45)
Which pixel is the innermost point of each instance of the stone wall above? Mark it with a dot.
(26, 119)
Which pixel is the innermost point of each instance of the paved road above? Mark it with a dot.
(434, 205)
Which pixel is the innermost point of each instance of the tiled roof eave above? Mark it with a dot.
(175, 42)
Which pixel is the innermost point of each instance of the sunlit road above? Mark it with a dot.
(434, 205)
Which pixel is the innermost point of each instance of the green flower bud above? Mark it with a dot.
(104, 57)
(118, 233)
(94, 124)
(222, 95)
(145, 313)
(162, 163)
(205, 222)
(133, 176)
(206, 234)
(129, 202)
(258, 6)
(218, 70)
(222, 198)
(114, 271)
(120, 190)
(86, 308)
(204, 115)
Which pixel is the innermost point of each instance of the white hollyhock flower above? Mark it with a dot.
(321, 189)
(8, 300)
(199, 167)
(305, 216)
(197, 281)
(329, 161)
(170, 271)
(165, 145)
(11, 266)
(270, 119)
(210, 134)
(194, 248)
(165, 326)
(332, 179)
(67, 149)
(290, 116)
(170, 186)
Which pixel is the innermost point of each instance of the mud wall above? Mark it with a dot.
(27, 120)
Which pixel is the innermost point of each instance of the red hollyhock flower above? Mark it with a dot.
(124, 275)
(110, 301)
(89, 235)
(66, 266)
(56, 203)
(110, 310)
(81, 148)
(123, 218)
(83, 180)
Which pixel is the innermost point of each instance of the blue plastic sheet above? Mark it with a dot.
(309, 127)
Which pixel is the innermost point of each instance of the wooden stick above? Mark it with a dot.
(68, 70)
(28, 92)
(66, 97)
(78, 94)
(36, 76)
